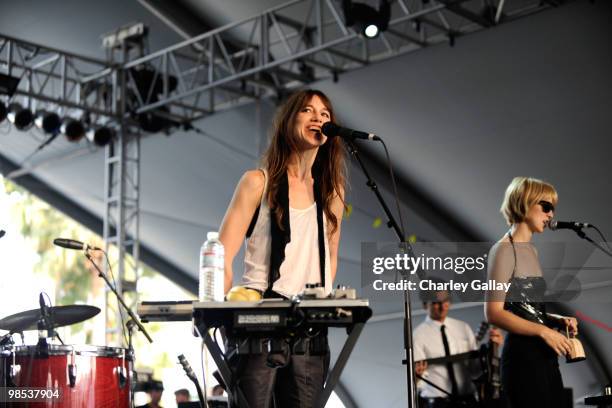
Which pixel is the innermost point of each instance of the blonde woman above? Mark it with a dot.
(530, 368)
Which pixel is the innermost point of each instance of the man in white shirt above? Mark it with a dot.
(439, 336)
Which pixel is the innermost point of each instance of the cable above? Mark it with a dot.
(220, 141)
(204, 396)
(602, 237)
(201, 394)
(110, 269)
(39, 148)
(394, 184)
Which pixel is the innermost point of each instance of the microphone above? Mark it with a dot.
(43, 326)
(73, 244)
(332, 130)
(576, 226)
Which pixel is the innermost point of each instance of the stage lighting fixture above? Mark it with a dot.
(8, 84)
(73, 129)
(101, 135)
(49, 122)
(371, 31)
(3, 111)
(367, 20)
(148, 81)
(19, 116)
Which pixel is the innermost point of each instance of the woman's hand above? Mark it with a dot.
(571, 323)
(496, 336)
(556, 341)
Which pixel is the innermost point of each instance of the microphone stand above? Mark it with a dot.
(133, 317)
(405, 246)
(584, 236)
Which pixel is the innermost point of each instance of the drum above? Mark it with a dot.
(86, 376)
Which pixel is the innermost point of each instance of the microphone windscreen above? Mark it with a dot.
(330, 129)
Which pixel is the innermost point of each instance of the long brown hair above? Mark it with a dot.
(330, 160)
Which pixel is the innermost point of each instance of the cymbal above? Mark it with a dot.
(59, 315)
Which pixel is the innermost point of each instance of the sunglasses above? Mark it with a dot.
(547, 206)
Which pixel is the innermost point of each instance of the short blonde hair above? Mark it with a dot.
(522, 194)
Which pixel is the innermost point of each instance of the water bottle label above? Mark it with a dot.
(213, 259)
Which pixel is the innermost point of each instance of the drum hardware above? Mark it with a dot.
(121, 371)
(42, 348)
(7, 340)
(14, 368)
(72, 370)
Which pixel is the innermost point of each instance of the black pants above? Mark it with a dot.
(530, 373)
(296, 384)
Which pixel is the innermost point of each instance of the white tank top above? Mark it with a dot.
(301, 264)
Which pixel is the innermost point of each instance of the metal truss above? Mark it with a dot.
(269, 54)
(121, 225)
(297, 43)
(122, 202)
(96, 91)
(59, 80)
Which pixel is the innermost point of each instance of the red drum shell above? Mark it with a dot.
(97, 383)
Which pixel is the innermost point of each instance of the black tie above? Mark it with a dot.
(449, 365)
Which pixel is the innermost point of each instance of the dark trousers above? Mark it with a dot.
(530, 373)
(296, 383)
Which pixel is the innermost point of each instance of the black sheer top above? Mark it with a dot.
(526, 294)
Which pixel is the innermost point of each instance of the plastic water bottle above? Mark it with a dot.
(212, 268)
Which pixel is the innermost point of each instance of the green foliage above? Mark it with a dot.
(40, 224)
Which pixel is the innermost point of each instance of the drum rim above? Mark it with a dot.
(67, 349)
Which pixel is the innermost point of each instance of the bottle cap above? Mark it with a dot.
(212, 235)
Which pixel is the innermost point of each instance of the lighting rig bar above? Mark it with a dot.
(58, 78)
(301, 42)
(269, 54)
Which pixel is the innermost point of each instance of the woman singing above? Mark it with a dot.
(530, 370)
(290, 211)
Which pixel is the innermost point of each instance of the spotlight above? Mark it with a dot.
(148, 81)
(73, 129)
(101, 135)
(371, 31)
(49, 122)
(8, 84)
(3, 111)
(367, 20)
(19, 116)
